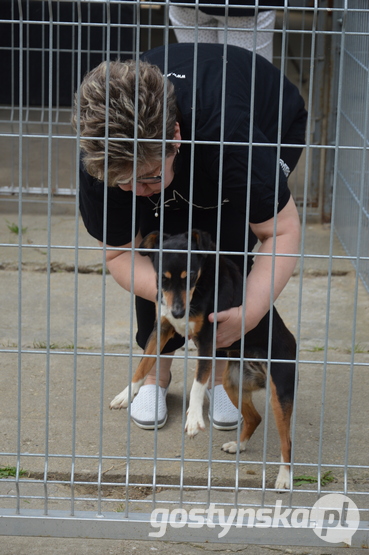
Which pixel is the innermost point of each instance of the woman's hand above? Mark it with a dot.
(229, 326)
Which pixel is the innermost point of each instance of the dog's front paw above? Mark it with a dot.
(232, 447)
(121, 400)
(194, 423)
(283, 479)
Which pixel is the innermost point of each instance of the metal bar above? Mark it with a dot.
(76, 261)
(104, 270)
(19, 308)
(138, 527)
(327, 318)
(133, 251)
(302, 257)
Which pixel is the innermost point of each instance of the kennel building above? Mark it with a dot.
(70, 467)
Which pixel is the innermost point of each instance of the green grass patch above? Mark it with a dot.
(305, 480)
(43, 345)
(14, 228)
(315, 349)
(357, 349)
(7, 471)
(53, 346)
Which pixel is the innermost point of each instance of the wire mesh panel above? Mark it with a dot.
(72, 322)
(352, 162)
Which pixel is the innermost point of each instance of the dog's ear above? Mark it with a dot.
(202, 240)
(151, 241)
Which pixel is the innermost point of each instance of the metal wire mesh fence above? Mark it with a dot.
(351, 162)
(69, 466)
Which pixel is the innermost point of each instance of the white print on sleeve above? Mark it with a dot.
(177, 75)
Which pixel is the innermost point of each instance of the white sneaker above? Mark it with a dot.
(225, 416)
(143, 407)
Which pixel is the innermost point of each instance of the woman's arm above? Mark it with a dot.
(259, 281)
(119, 264)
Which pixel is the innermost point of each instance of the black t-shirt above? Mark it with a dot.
(209, 157)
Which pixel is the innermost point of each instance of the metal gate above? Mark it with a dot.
(69, 467)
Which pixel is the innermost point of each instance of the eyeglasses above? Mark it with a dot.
(151, 180)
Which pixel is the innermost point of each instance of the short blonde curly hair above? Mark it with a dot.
(90, 105)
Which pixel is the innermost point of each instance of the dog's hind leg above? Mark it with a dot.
(282, 414)
(253, 379)
(282, 388)
(251, 420)
(166, 332)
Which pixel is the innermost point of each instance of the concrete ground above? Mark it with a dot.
(65, 340)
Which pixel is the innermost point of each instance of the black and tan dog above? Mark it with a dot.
(175, 311)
